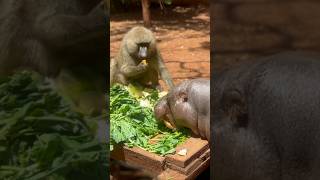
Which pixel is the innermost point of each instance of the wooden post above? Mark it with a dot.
(107, 5)
(146, 12)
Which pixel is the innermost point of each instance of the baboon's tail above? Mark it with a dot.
(164, 73)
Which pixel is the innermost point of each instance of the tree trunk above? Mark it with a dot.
(146, 12)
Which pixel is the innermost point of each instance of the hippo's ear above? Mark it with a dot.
(183, 96)
(234, 105)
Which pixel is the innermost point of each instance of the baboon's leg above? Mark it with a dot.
(122, 79)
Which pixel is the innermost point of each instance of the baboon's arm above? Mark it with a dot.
(131, 70)
(113, 71)
(155, 79)
(164, 72)
(68, 30)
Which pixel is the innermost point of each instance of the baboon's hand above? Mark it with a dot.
(143, 67)
(132, 71)
(158, 87)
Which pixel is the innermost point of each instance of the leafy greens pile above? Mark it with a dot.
(41, 137)
(133, 123)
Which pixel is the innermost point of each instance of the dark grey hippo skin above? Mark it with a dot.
(266, 119)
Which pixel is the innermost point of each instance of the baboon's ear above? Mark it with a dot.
(235, 106)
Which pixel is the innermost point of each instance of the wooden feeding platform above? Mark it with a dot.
(173, 166)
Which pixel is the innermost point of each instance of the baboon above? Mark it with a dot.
(53, 36)
(48, 36)
(139, 60)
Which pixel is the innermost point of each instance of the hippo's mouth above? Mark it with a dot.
(168, 121)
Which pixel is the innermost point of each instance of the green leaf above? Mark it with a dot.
(134, 125)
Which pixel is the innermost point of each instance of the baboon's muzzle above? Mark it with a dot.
(143, 52)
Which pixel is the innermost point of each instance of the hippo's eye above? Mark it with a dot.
(183, 96)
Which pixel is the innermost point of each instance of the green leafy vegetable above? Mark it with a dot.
(41, 137)
(133, 123)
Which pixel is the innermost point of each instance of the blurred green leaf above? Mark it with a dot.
(41, 137)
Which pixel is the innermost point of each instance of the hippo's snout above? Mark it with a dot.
(160, 109)
(162, 113)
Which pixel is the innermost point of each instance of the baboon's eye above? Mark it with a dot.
(144, 44)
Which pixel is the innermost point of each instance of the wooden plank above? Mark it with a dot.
(140, 157)
(195, 147)
(170, 174)
(176, 166)
(196, 172)
(193, 165)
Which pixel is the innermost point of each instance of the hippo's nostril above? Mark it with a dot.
(159, 112)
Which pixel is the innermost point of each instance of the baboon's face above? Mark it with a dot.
(140, 43)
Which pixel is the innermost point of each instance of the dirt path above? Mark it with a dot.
(183, 35)
(245, 30)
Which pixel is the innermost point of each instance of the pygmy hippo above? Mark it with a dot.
(266, 120)
(187, 105)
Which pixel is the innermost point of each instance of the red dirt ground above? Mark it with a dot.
(183, 35)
